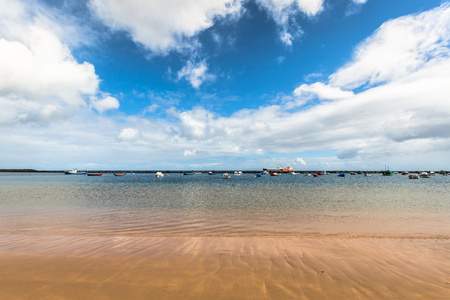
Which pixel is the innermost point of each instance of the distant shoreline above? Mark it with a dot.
(202, 171)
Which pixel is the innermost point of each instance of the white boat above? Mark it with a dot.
(413, 176)
(424, 175)
(74, 171)
(159, 174)
(293, 173)
(226, 176)
(237, 173)
(367, 174)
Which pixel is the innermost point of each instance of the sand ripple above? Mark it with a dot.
(75, 267)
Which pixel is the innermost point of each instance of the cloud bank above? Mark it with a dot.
(389, 102)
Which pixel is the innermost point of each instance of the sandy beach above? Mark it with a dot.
(124, 267)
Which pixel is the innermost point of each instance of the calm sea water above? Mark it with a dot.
(205, 205)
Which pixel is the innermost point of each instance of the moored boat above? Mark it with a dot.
(159, 174)
(424, 175)
(188, 173)
(226, 176)
(237, 173)
(413, 176)
(387, 173)
(94, 174)
(74, 171)
(341, 174)
(119, 174)
(261, 175)
(274, 174)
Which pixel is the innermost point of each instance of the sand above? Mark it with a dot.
(135, 267)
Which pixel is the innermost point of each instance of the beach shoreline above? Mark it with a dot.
(118, 267)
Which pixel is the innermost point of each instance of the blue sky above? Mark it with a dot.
(225, 84)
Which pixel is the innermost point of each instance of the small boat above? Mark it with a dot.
(424, 175)
(211, 173)
(274, 174)
(405, 173)
(315, 175)
(413, 176)
(387, 173)
(74, 172)
(293, 173)
(237, 173)
(352, 173)
(341, 174)
(119, 174)
(367, 175)
(94, 174)
(159, 174)
(261, 175)
(307, 174)
(226, 176)
(188, 173)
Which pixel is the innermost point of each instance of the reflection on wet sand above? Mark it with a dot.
(120, 267)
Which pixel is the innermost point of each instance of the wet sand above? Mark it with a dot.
(136, 267)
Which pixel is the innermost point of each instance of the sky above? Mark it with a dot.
(225, 84)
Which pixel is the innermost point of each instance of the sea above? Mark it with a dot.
(205, 205)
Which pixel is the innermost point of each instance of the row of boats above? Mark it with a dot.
(273, 173)
(76, 172)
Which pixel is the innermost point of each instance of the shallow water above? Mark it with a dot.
(204, 205)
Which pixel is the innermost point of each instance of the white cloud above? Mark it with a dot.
(196, 74)
(129, 134)
(104, 104)
(284, 11)
(300, 161)
(39, 78)
(397, 48)
(163, 25)
(359, 1)
(321, 91)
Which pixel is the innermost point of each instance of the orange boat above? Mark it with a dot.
(288, 169)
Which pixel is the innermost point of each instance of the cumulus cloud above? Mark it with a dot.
(163, 25)
(129, 134)
(300, 161)
(196, 74)
(39, 78)
(166, 25)
(397, 48)
(104, 104)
